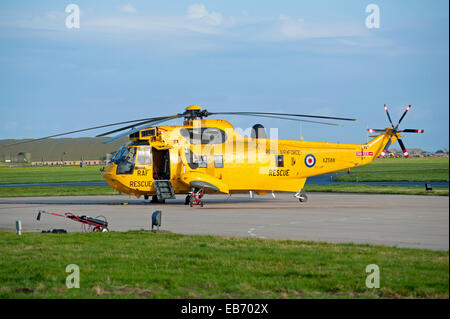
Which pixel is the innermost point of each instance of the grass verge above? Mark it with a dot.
(50, 174)
(142, 264)
(432, 169)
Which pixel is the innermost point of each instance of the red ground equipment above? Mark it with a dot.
(89, 224)
(196, 198)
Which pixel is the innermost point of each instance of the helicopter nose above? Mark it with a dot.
(107, 170)
(109, 174)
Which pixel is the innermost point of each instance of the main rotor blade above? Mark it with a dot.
(404, 113)
(389, 117)
(282, 114)
(405, 152)
(291, 119)
(409, 130)
(76, 131)
(147, 121)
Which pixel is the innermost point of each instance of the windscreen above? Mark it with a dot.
(124, 159)
(123, 153)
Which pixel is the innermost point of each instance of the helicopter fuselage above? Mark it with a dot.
(211, 155)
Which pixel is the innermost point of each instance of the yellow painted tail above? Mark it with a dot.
(378, 144)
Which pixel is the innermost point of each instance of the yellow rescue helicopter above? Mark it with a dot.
(210, 156)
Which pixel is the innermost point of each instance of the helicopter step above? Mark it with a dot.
(164, 189)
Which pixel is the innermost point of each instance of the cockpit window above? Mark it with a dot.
(119, 153)
(208, 135)
(123, 153)
(131, 154)
(125, 160)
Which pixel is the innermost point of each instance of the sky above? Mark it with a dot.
(137, 59)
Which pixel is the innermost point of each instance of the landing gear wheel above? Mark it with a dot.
(187, 200)
(302, 197)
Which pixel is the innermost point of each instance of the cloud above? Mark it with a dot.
(197, 11)
(196, 20)
(289, 28)
(128, 8)
(292, 28)
(149, 26)
(9, 125)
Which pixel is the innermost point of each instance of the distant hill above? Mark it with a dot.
(57, 149)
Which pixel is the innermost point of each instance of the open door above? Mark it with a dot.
(161, 164)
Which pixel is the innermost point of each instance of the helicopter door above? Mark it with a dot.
(161, 164)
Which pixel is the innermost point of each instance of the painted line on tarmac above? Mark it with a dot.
(251, 232)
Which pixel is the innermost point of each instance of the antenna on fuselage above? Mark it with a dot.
(301, 134)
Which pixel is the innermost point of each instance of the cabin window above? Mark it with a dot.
(191, 159)
(280, 160)
(144, 156)
(218, 161)
(208, 135)
(202, 161)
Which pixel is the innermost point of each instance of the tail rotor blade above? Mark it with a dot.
(393, 132)
(404, 113)
(389, 117)
(405, 152)
(409, 130)
(375, 130)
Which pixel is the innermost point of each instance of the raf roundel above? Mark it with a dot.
(310, 160)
